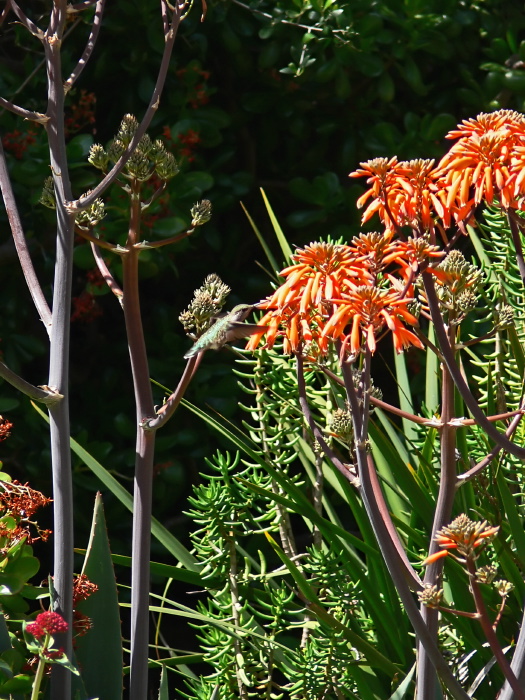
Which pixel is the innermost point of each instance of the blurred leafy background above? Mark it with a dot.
(287, 95)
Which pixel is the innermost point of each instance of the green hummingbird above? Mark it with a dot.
(225, 329)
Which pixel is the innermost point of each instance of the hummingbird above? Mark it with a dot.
(225, 329)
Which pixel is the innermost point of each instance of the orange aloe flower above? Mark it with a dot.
(368, 310)
(403, 194)
(302, 303)
(462, 534)
(485, 163)
(331, 288)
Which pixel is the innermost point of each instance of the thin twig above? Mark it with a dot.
(480, 466)
(166, 411)
(490, 634)
(87, 200)
(27, 114)
(90, 45)
(24, 19)
(45, 395)
(426, 683)
(26, 263)
(106, 274)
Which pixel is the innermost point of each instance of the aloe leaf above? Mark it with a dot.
(99, 652)
(163, 689)
(401, 691)
(287, 251)
(405, 395)
(432, 397)
(512, 515)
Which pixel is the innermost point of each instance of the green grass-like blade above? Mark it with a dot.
(163, 535)
(287, 251)
(405, 395)
(271, 259)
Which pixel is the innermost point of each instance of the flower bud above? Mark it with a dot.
(98, 157)
(201, 213)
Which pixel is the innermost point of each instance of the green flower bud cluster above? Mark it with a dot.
(431, 596)
(88, 218)
(458, 294)
(486, 574)
(341, 425)
(504, 317)
(207, 302)
(149, 157)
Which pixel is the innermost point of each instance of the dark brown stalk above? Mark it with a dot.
(383, 405)
(303, 402)
(480, 466)
(166, 411)
(390, 553)
(45, 396)
(491, 635)
(427, 680)
(394, 544)
(448, 355)
(106, 274)
(399, 580)
(24, 19)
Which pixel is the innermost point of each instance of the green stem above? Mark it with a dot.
(38, 678)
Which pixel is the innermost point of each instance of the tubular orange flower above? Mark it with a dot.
(368, 309)
(302, 302)
(485, 163)
(403, 194)
(462, 534)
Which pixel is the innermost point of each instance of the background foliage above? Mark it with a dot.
(286, 95)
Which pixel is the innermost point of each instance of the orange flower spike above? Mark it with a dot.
(292, 332)
(328, 287)
(370, 339)
(315, 296)
(458, 182)
(466, 182)
(355, 339)
(306, 296)
(306, 331)
(489, 188)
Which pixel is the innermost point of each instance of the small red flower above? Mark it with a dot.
(36, 630)
(51, 622)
